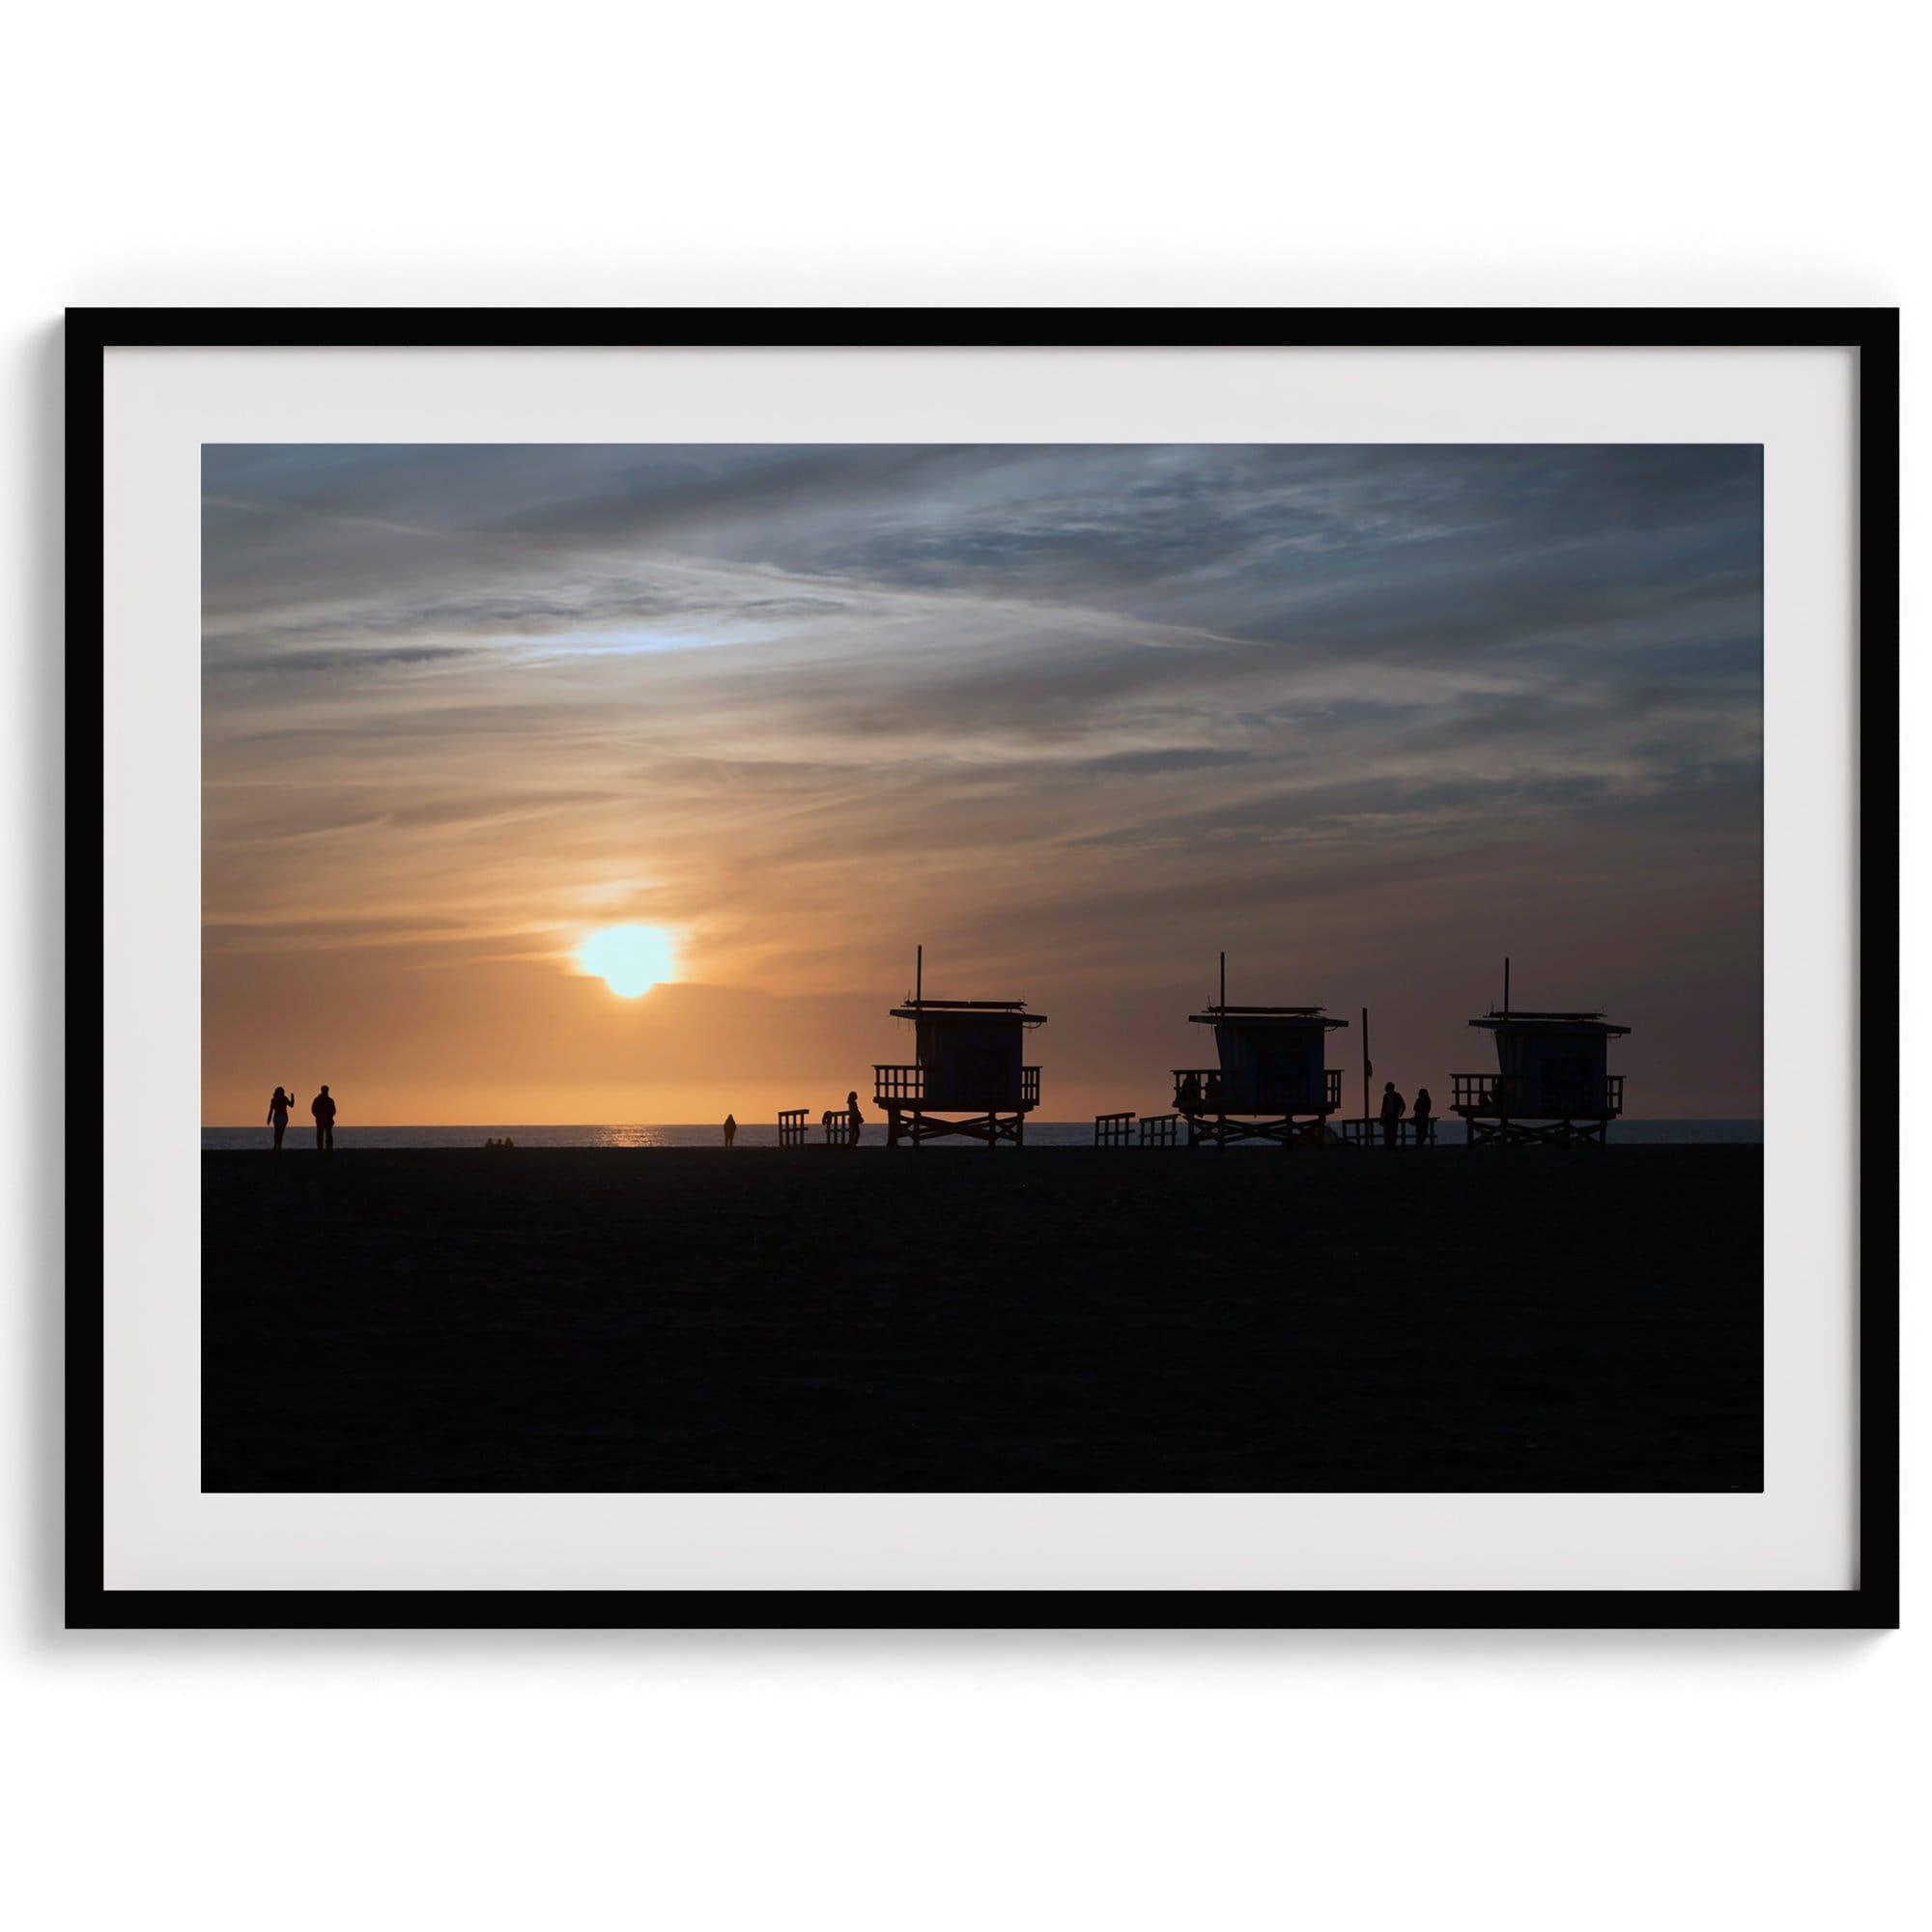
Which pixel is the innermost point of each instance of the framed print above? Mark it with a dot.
(983, 967)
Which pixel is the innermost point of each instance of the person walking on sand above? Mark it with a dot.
(854, 1119)
(1393, 1110)
(278, 1116)
(324, 1110)
(731, 1129)
(1423, 1116)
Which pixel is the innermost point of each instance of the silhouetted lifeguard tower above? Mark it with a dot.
(1273, 1082)
(968, 1061)
(1553, 1082)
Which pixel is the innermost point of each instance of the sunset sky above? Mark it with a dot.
(1076, 717)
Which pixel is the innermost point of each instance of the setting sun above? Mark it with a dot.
(629, 959)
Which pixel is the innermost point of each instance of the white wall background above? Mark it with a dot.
(1116, 153)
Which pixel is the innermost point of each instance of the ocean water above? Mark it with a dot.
(763, 1134)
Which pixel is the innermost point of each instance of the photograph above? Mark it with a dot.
(1034, 884)
(642, 883)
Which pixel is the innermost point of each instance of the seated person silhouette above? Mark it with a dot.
(1189, 1098)
(1210, 1096)
(324, 1110)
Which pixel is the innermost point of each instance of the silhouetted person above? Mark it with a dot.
(1393, 1110)
(1424, 1117)
(731, 1129)
(278, 1116)
(1189, 1095)
(1212, 1097)
(853, 1119)
(324, 1110)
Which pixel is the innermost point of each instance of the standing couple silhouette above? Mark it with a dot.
(321, 1107)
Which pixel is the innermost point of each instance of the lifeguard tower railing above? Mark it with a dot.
(1591, 1098)
(919, 1086)
(1370, 1133)
(1217, 1093)
(791, 1126)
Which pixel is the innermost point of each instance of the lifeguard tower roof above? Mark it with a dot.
(1550, 1022)
(939, 1009)
(1297, 1016)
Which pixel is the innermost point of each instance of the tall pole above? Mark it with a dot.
(918, 973)
(1368, 1067)
(1506, 985)
(1224, 983)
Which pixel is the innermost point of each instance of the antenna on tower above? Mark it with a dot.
(918, 973)
(1506, 985)
(1224, 980)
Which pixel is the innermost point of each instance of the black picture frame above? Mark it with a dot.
(1872, 333)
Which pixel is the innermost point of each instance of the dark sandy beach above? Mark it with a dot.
(1051, 1320)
